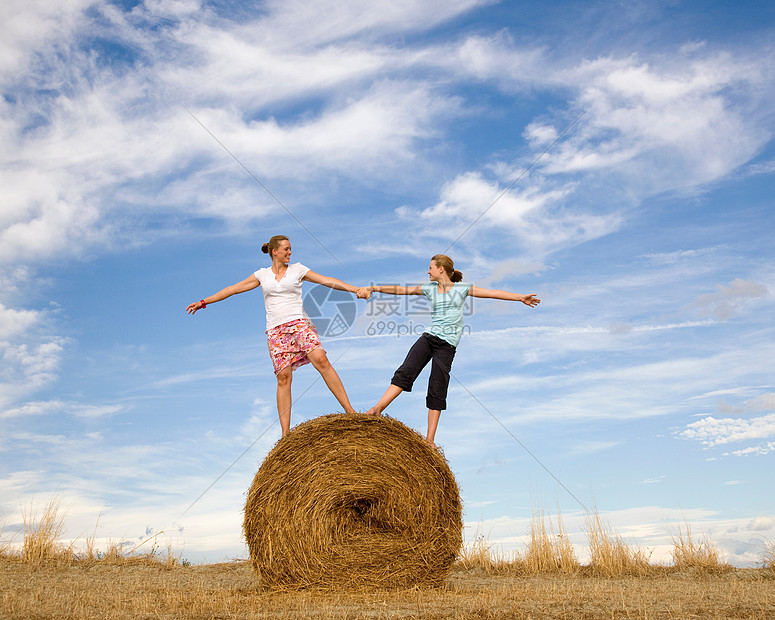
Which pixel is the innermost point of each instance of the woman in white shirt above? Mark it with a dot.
(291, 336)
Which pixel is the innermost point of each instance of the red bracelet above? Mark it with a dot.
(204, 305)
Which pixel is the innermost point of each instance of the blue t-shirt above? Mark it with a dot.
(446, 311)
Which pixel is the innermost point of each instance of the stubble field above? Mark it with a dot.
(43, 578)
(146, 589)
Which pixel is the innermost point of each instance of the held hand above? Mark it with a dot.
(364, 292)
(531, 300)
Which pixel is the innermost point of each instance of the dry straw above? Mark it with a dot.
(353, 501)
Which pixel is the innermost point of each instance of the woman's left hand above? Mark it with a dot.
(192, 308)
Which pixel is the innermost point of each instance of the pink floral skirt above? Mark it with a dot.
(289, 343)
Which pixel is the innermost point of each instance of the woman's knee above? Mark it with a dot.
(284, 377)
(319, 359)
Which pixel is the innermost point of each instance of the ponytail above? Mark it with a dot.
(446, 263)
(273, 244)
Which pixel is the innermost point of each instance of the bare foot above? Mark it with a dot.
(373, 411)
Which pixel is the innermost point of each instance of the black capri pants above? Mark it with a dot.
(428, 347)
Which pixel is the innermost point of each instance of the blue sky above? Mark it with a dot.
(389, 133)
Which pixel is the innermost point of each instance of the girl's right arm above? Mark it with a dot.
(486, 293)
(248, 284)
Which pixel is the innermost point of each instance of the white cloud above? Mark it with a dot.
(758, 450)
(16, 322)
(497, 59)
(336, 19)
(94, 411)
(729, 300)
(173, 8)
(368, 113)
(764, 168)
(261, 425)
(296, 50)
(232, 66)
(33, 409)
(47, 228)
(539, 134)
(711, 431)
(49, 441)
(648, 128)
(96, 164)
(653, 128)
(679, 256)
(761, 524)
(28, 367)
(672, 116)
(470, 205)
(26, 25)
(368, 132)
(763, 402)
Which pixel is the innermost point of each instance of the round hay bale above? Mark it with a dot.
(353, 500)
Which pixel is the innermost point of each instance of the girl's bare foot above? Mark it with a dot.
(373, 411)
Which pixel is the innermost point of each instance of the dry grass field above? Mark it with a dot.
(43, 579)
(143, 589)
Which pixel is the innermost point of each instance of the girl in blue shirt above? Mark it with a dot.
(438, 343)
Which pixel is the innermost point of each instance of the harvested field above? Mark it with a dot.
(44, 578)
(152, 589)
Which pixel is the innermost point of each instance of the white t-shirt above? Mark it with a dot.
(282, 299)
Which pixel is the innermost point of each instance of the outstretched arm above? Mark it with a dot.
(317, 278)
(395, 289)
(486, 293)
(248, 284)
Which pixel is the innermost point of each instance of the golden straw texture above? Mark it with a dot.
(353, 500)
